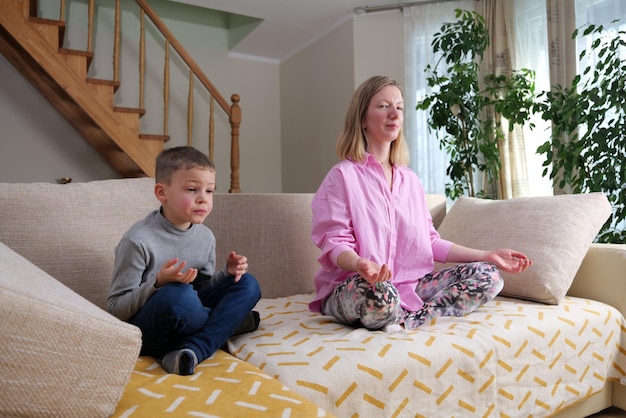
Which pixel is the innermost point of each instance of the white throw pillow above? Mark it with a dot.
(555, 232)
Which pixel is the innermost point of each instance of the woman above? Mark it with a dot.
(373, 226)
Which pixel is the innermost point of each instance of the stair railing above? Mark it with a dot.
(233, 111)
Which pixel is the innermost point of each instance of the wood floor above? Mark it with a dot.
(610, 413)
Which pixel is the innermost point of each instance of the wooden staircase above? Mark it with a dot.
(34, 46)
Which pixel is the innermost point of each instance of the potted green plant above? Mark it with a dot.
(587, 148)
(465, 108)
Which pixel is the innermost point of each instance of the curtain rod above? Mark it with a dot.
(370, 9)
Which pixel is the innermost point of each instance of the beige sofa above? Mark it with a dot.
(65, 356)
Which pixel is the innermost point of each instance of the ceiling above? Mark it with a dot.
(286, 26)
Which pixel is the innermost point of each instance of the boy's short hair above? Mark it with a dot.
(180, 158)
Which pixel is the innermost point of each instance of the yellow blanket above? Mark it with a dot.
(222, 386)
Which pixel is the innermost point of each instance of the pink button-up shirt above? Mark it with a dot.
(354, 209)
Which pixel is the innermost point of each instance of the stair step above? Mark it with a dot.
(100, 81)
(78, 53)
(155, 137)
(136, 110)
(104, 90)
(53, 31)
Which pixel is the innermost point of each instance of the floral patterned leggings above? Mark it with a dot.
(455, 291)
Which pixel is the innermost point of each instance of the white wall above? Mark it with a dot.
(379, 46)
(292, 112)
(316, 87)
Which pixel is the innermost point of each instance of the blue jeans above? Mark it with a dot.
(178, 316)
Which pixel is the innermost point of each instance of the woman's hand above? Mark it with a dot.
(371, 271)
(509, 260)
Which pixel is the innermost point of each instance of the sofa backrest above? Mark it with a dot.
(71, 230)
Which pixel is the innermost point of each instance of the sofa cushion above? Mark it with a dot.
(554, 231)
(61, 354)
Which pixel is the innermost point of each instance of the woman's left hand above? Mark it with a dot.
(509, 260)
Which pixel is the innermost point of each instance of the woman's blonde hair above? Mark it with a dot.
(352, 143)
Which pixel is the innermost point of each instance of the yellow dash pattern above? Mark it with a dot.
(536, 331)
(556, 360)
(556, 387)
(376, 402)
(505, 366)
(539, 355)
(466, 376)
(314, 352)
(463, 350)
(524, 400)
(486, 384)
(400, 408)
(522, 373)
(399, 379)
(312, 385)
(542, 405)
(330, 363)
(443, 369)
(572, 390)
(384, 350)
(431, 340)
(467, 406)
(553, 340)
(422, 386)
(583, 328)
(378, 375)
(502, 341)
(291, 334)
(444, 395)
(302, 341)
(570, 369)
(584, 374)
(421, 359)
(506, 394)
(582, 351)
(486, 359)
(346, 394)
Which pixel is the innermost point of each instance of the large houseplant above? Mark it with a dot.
(465, 108)
(587, 148)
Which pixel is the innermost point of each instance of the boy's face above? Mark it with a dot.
(188, 199)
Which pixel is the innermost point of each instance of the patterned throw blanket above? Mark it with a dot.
(508, 358)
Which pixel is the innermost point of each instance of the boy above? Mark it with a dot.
(164, 279)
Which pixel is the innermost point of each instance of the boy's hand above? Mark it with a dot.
(236, 265)
(170, 272)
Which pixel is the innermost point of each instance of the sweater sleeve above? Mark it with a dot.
(129, 289)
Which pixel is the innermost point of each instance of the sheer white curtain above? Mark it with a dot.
(528, 23)
(421, 22)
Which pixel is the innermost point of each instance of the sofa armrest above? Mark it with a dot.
(61, 354)
(602, 276)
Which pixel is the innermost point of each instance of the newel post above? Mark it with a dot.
(235, 121)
